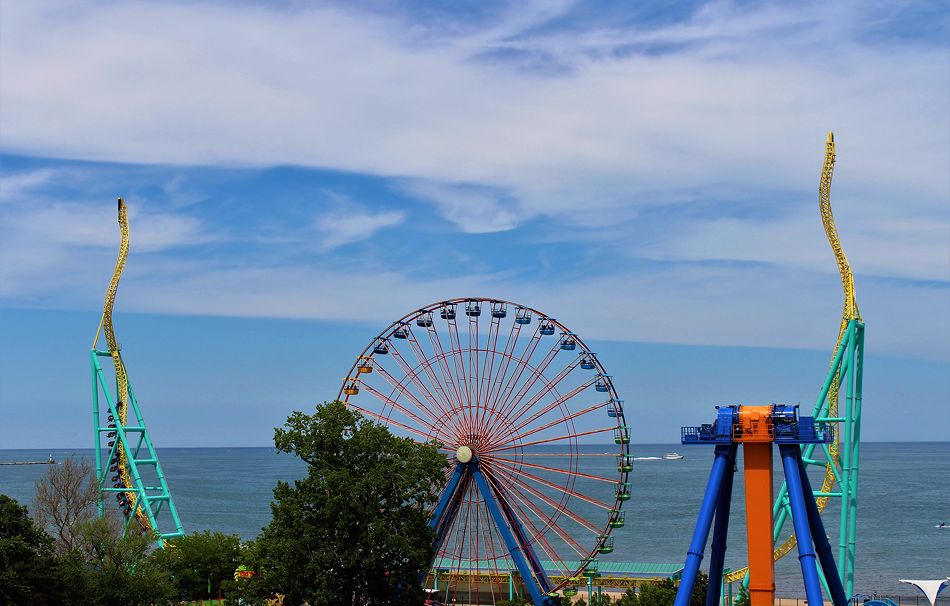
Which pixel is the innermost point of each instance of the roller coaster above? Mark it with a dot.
(507, 391)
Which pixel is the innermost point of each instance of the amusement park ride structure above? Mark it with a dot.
(130, 470)
(509, 394)
(475, 377)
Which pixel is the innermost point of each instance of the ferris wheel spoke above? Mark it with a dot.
(400, 387)
(512, 382)
(549, 522)
(512, 474)
(460, 372)
(547, 387)
(488, 365)
(555, 404)
(388, 421)
(538, 372)
(568, 454)
(413, 377)
(487, 536)
(473, 338)
(436, 342)
(426, 364)
(495, 386)
(579, 413)
(517, 469)
(417, 402)
(554, 439)
(532, 535)
(436, 430)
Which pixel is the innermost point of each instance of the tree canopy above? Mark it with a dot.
(355, 529)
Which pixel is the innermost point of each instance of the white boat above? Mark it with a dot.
(673, 456)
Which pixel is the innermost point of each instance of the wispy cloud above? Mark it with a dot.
(633, 146)
(474, 210)
(341, 227)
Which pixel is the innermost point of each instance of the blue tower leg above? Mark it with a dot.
(822, 545)
(447, 496)
(791, 454)
(516, 550)
(717, 554)
(698, 543)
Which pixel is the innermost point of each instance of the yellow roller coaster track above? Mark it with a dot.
(121, 378)
(848, 313)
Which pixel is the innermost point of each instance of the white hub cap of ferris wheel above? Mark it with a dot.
(463, 454)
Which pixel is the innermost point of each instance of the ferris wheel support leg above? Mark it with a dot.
(447, 496)
(717, 554)
(697, 545)
(516, 549)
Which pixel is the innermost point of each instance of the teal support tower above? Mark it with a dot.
(127, 465)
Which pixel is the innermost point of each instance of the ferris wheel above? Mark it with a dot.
(534, 431)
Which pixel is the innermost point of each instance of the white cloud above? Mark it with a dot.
(50, 246)
(15, 185)
(342, 227)
(736, 99)
(473, 210)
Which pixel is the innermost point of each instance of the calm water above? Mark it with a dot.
(904, 493)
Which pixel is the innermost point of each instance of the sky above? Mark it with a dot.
(301, 174)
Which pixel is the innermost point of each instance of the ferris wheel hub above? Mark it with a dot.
(463, 454)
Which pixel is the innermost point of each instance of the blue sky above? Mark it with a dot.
(300, 174)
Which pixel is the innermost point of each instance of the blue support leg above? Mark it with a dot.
(698, 543)
(717, 554)
(791, 454)
(522, 537)
(447, 496)
(515, 549)
(822, 545)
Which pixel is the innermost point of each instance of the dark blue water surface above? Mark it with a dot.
(904, 494)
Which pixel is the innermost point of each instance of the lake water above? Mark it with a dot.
(904, 491)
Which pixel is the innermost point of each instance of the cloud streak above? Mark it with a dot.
(341, 227)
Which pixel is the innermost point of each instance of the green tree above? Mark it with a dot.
(200, 561)
(660, 593)
(629, 598)
(698, 597)
(27, 568)
(118, 570)
(356, 528)
(601, 599)
(742, 597)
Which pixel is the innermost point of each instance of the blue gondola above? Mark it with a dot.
(546, 328)
(588, 363)
(568, 343)
(522, 316)
(601, 385)
(448, 312)
(381, 348)
(424, 321)
(498, 310)
(400, 333)
(616, 409)
(473, 309)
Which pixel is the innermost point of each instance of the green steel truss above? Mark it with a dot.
(845, 377)
(136, 477)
